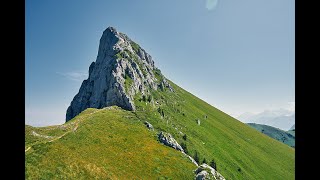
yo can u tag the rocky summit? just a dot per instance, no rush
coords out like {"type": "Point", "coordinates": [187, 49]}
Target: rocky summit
{"type": "Point", "coordinates": [122, 70]}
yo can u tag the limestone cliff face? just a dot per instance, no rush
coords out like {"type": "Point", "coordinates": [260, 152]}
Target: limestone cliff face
{"type": "Point", "coordinates": [122, 70]}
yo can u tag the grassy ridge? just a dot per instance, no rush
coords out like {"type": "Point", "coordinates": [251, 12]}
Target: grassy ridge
{"type": "Point", "coordinates": [108, 144]}
{"type": "Point", "coordinates": [115, 144]}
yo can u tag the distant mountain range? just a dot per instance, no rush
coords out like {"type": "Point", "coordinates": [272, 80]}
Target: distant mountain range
{"type": "Point", "coordinates": [293, 127]}
{"type": "Point", "coordinates": [286, 137]}
{"type": "Point", "coordinates": [282, 118]}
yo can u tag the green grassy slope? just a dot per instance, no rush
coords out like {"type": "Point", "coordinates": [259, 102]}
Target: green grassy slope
{"type": "Point", "coordinates": [102, 144]}
{"type": "Point", "coordinates": [287, 137]}
{"type": "Point", "coordinates": [240, 152]}
{"type": "Point", "coordinates": [114, 143]}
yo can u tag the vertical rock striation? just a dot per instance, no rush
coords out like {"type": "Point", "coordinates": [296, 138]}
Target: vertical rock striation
{"type": "Point", "coordinates": [122, 70]}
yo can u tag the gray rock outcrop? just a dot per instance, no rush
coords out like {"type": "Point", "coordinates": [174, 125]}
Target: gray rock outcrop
{"type": "Point", "coordinates": [149, 126]}
{"type": "Point", "coordinates": [168, 140]}
{"type": "Point", "coordinates": [204, 171]}
{"type": "Point", "coordinates": [122, 69]}
{"type": "Point", "coordinates": [203, 175]}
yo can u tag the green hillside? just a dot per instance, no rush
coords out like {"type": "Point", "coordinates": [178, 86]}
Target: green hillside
{"type": "Point", "coordinates": [113, 143]}
{"type": "Point", "coordinates": [240, 152]}
{"type": "Point", "coordinates": [102, 144]}
{"type": "Point", "coordinates": [287, 137]}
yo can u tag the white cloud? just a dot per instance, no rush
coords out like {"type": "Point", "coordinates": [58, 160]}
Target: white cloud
{"type": "Point", "coordinates": [211, 4]}
{"type": "Point", "coordinates": [74, 76]}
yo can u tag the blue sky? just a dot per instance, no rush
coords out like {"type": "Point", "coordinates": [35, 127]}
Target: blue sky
{"type": "Point", "coordinates": [238, 56]}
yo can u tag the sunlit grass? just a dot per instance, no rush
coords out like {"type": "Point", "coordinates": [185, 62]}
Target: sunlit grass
{"type": "Point", "coordinates": [113, 143]}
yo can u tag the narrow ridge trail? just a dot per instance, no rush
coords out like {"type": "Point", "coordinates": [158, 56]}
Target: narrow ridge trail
{"type": "Point", "coordinates": [76, 125]}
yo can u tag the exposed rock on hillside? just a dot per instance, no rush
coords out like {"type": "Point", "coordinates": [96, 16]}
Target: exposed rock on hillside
{"type": "Point", "coordinates": [149, 126]}
{"type": "Point", "coordinates": [122, 70]}
{"type": "Point", "coordinates": [168, 140]}
{"type": "Point", "coordinates": [205, 171]}
{"type": "Point", "coordinates": [191, 159]}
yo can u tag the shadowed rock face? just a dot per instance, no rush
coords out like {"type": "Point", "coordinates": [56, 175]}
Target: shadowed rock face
{"type": "Point", "coordinates": [122, 69]}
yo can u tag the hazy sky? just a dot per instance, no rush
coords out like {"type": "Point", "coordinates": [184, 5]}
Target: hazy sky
{"type": "Point", "coordinates": [238, 56]}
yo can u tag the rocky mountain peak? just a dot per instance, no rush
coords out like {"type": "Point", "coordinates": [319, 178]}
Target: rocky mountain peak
{"type": "Point", "coordinates": [121, 71]}
{"type": "Point", "coordinates": [111, 29]}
